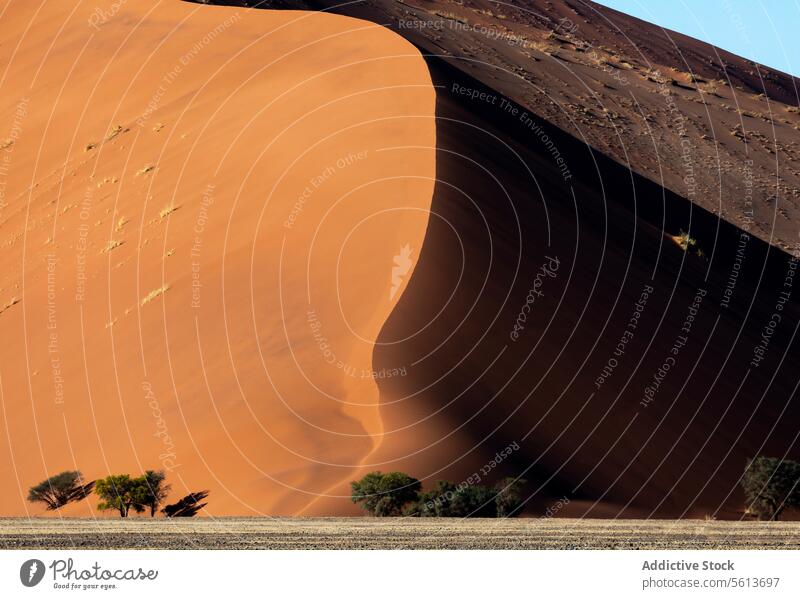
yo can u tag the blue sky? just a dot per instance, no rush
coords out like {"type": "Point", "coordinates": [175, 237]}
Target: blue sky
{"type": "Point", "coordinates": [767, 31]}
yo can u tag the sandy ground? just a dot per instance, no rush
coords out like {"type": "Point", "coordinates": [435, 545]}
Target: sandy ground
{"type": "Point", "coordinates": [359, 533]}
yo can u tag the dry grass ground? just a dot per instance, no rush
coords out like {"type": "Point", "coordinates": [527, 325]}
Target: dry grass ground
{"type": "Point", "coordinates": [366, 533]}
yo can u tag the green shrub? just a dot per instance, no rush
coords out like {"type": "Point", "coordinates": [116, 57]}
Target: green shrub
{"type": "Point", "coordinates": [508, 499]}
{"type": "Point", "coordinates": [385, 494]}
{"type": "Point", "coordinates": [771, 485]}
{"type": "Point", "coordinates": [449, 500]}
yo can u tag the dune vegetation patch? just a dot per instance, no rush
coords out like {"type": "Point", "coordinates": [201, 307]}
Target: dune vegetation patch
{"type": "Point", "coordinates": [114, 132]}
{"type": "Point", "coordinates": [154, 294]}
{"type": "Point", "coordinates": [167, 210]}
{"type": "Point", "coordinates": [111, 245]}
{"type": "Point", "coordinates": [12, 302]}
{"type": "Point", "coordinates": [684, 240]}
{"type": "Point", "coordinates": [688, 243]}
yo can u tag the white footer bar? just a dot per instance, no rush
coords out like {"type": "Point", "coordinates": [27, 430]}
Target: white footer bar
{"type": "Point", "coordinates": [400, 574]}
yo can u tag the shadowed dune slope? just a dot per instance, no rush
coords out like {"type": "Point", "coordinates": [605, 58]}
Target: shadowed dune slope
{"type": "Point", "coordinates": [552, 310]}
{"type": "Point", "coordinates": [201, 212]}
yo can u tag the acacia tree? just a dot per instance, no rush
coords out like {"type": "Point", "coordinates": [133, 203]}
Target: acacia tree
{"type": "Point", "coordinates": [120, 492]}
{"type": "Point", "coordinates": [385, 494]}
{"type": "Point", "coordinates": [152, 490]}
{"type": "Point", "coordinates": [771, 485]}
{"type": "Point", "coordinates": [60, 489]}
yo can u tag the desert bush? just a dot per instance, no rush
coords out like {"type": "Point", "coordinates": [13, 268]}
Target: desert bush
{"type": "Point", "coordinates": [508, 499]}
{"type": "Point", "coordinates": [433, 503]}
{"type": "Point", "coordinates": [396, 493]}
{"type": "Point", "coordinates": [771, 485]}
{"type": "Point", "coordinates": [684, 240]}
{"type": "Point", "coordinates": [449, 500]}
{"type": "Point", "coordinates": [61, 489]}
{"type": "Point", "coordinates": [385, 494]}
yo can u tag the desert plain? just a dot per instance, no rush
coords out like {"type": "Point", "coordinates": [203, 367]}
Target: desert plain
{"type": "Point", "coordinates": [394, 533]}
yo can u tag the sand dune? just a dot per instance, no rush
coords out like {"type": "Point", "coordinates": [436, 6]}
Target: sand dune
{"type": "Point", "coordinates": [636, 378]}
{"type": "Point", "coordinates": [238, 245]}
{"type": "Point", "coordinates": [202, 209]}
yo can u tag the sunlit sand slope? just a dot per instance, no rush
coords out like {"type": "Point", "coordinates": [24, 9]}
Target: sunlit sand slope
{"type": "Point", "coordinates": [202, 209]}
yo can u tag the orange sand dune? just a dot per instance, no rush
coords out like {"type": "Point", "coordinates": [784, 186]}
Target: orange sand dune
{"type": "Point", "coordinates": [202, 209]}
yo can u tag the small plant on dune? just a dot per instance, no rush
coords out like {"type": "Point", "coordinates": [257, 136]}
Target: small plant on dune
{"type": "Point", "coordinates": [61, 489]}
{"type": "Point", "coordinates": [112, 244]}
{"type": "Point", "coordinates": [451, 16]}
{"type": "Point", "coordinates": [154, 294]}
{"type": "Point", "coordinates": [12, 302]}
{"type": "Point", "coordinates": [167, 210]}
{"type": "Point", "coordinates": [684, 240]}
{"type": "Point", "coordinates": [385, 494]}
{"type": "Point", "coordinates": [709, 87]}
{"type": "Point", "coordinates": [114, 132]}
{"type": "Point", "coordinates": [771, 485]}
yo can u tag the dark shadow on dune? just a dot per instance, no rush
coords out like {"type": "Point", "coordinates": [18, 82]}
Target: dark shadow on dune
{"type": "Point", "coordinates": [187, 507]}
{"type": "Point", "coordinates": [503, 189]}
{"type": "Point", "coordinates": [81, 492]}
